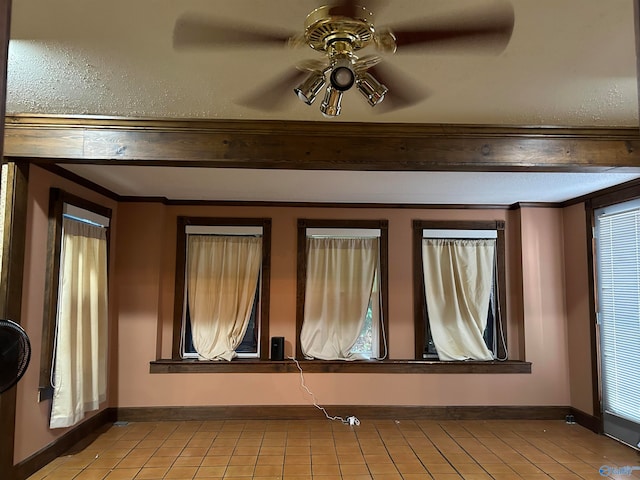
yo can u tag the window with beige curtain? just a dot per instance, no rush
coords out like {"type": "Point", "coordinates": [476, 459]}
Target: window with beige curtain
{"type": "Point", "coordinates": [341, 291]}
{"type": "Point", "coordinates": [458, 283]}
{"type": "Point", "coordinates": [245, 288]}
{"type": "Point", "coordinates": [222, 278]}
{"type": "Point", "coordinates": [433, 278]}
{"type": "Point", "coordinates": [80, 352]}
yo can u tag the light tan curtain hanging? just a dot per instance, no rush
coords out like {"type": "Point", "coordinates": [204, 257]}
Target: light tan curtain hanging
{"type": "Point", "coordinates": [458, 277]}
{"type": "Point", "coordinates": [222, 277]}
{"type": "Point", "coordinates": [80, 362]}
{"type": "Point", "coordinates": [340, 274]}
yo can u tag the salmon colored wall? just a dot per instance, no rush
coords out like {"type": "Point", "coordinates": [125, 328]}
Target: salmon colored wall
{"type": "Point", "coordinates": [579, 324]}
{"type": "Point", "coordinates": [32, 417]}
{"type": "Point", "coordinates": [545, 328]}
{"type": "Point", "coordinates": [144, 276]}
{"type": "Point", "coordinates": [515, 315]}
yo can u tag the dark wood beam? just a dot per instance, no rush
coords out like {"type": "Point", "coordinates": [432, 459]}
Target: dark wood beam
{"type": "Point", "coordinates": [320, 145]}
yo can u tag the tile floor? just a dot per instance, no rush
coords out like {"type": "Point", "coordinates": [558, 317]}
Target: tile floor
{"type": "Point", "coordinates": [326, 450]}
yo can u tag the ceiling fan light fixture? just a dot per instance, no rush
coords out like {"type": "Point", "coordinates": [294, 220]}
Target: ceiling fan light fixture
{"type": "Point", "coordinates": [372, 89]}
{"type": "Point", "coordinates": [331, 104]}
{"type": "Point", "coordinates": [309, 89]}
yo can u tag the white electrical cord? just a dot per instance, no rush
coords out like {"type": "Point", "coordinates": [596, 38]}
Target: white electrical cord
{"type": "Point", "coordinates": [384, 340]}
{"type": "Point", "coordinates": [351, 420]}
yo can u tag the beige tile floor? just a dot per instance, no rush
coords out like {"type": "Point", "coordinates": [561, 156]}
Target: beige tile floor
{"type": "Point", "coordinates": [326, 450]}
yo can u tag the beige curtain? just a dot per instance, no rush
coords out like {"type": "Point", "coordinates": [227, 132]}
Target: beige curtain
{"type": "Point", "coordinates": [458, 275]}
{"type": "Point", "coordinates": [80, 363]}
{"type": "Point", "coordinates": [222, 277]}
{"type": "Point", "coordinates": [340, 274]}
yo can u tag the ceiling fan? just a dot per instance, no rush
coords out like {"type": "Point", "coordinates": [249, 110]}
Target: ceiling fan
{"type": "Point", "coordinates": [339, 32]}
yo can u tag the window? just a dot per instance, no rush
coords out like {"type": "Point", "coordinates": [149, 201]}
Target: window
{"type": "Point", "coordinates": [222, 288]}
{"type": "Point", "coordinates": [75, 330]}
{"type": "Point", "coordinates": [617, 236]}
{"type": "Point", "coordinates": [342, 289]}
{"type": "Point", "coordinates": [459, 273]}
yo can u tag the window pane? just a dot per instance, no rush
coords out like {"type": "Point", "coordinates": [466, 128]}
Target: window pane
{"type": "Point", "coordinates": [341, 312]}
{"type": "Point", "coordinates": [223, 260]}
{"type": "Point", "coordinates": [188, 339]}
{"type": "Point", "coordinates": [220, 267]}
{"type": "Point", "coordinates": [81, 323]}
{"type": "Point", "coordinates": [452, 305]}
{"type": "Point", "coordinates": [489, 332]}
{"type": "Point", "coordinates": [338, 261]}
{"type": "Point", "coordinates": [368, 342]}
{"type": "Point", "coordinates": [249, 343]}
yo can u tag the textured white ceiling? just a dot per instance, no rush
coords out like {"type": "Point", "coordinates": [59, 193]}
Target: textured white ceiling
{"type": "Point", "coordinates": [569, 62]}
{"type": "Point", "coordinates": [491, 188]}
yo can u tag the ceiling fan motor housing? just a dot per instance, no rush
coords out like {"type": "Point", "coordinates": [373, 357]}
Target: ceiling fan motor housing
{"type": "Point", "coordinates": [322, 28]}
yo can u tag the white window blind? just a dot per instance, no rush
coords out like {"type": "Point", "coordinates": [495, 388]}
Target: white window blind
{"type": "Point", "coordinates": [618, 261]}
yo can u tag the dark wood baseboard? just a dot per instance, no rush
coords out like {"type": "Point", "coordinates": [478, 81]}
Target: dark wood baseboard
{"type": "Point", "coordinates": [309, 412]}
{"type": "Point", "coordinates": [587, 421]}
{"type": "Point", "coordinates": [75, 439]}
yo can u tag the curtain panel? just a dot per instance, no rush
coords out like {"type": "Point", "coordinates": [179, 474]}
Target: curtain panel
{"type": "Point", "coordinates": [222, 278]}
{"type": "Point", "coordinates": [339, 284]}
{"type": "Point", "coordinates": [458, 278]}
{"type": "Point", "coordinates": [80, 362]}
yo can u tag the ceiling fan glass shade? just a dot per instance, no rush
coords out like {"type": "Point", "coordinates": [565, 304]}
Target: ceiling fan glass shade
{"type": "Point", "coordinates": [372, 89]}
{"type": "Point", "coordinates": [309, 89]}
{"type": "Point", "coordinates": [331, 104]}
{"type": "Point", "coordinates": [342, 77]}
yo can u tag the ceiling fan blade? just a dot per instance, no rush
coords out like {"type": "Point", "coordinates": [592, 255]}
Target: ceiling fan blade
{"type": "Point", "coordinates": [194, 31]}
{"type": "Point", "coordinates": [487, 28]}
{"type": "Point", "coordinates": [402, 92]}
{"type": "Point", "coordinates": [351, 8]}
{"type": "Point", "coordinates": [274, 94]}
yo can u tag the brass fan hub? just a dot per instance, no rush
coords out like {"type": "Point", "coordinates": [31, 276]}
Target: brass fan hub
{"type": "Point", "coordinates": [322, 29]}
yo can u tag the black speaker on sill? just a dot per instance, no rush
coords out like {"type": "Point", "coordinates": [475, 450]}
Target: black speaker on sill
{"type": "Point", "coordinates": [277, 348]}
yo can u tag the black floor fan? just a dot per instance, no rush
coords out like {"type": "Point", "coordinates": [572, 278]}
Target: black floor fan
{"type": "Point", "coordinates": [15, 353]}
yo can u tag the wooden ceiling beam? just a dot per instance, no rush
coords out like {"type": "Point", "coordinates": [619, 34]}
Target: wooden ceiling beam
{"type": "Point", "coordinates": [320, 145]}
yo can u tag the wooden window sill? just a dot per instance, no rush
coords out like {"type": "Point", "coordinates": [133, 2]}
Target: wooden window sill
{"type": "Point", "coordinates": [327, 366]}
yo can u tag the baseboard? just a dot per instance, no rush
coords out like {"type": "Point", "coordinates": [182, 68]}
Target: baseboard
{"type": "Point", "coordinates": [308, 412]}
{"type": "Point", "coordinates": [76, 438]}
{"type": "Point", "coordinates": [587, 421]}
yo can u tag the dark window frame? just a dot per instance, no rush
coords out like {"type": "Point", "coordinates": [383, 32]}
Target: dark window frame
{"type": "Point", "coordinates": [605, 199]}
{"type": "Point", "coordinates": [180, 272]}
{"type": "Point", "coordinates": [419, 306]}
{"type": "Point", "coordinates": [301, 268]}
{"type": "Point", "coordinates": [57, 199]}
